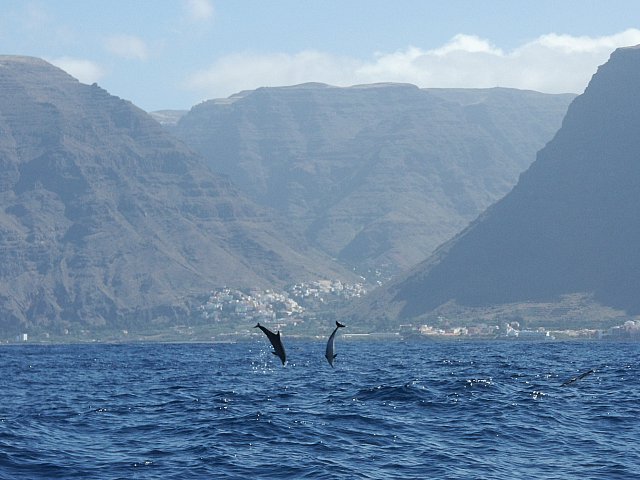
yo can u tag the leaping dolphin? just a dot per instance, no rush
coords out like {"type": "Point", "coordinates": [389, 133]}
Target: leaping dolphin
{"type": "Point", "coordinates": [275, 340]}
{"type": "Point", "coordinates": [330, 356]}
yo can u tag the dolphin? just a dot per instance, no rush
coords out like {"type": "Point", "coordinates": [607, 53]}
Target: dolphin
{"type": "Point", "coordinates": [275, 340]}
{"type": "Point", "coordinates": [330, 356]}
{"type": "Point", "coordinates": [579, 377]}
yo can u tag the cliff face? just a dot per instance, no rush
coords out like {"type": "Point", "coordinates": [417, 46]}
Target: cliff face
{"type": "Point", "coordinates": [107, 220]}
{"type": "Point", "coordinates": [375, 175]}
{"type": "Point", "coordinates": [571, 224]}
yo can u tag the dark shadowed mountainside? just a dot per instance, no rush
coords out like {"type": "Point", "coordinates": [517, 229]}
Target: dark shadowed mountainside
{"type": "Point", "coordinates": [569, 229]}
{"type": "Point", "coordinates": [107, 220]}
{"type": "Point", "coordinates": [376, 176]}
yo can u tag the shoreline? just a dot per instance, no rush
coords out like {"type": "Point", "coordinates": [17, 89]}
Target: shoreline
{"type": "Point", "coordinates": [376, 338]}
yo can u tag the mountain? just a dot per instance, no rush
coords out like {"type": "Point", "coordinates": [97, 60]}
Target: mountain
{"type": "Point", "coordinates": [566, 237]}
{"type": "Point", "coordinates": [107, 221]}
{"type": "Point", "coordinates": [376, 176]}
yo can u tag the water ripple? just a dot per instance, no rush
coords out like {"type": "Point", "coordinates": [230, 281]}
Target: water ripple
{"type": "Point", "coordinates": [414, 411]}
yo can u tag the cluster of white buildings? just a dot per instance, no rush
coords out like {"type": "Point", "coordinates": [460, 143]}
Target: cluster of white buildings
{"type": "Point", "coordinates": [508, 330]}
{"type": "Point", "coordinates": [256, 305]}
{"type": "Point", "coordinates": [293, 305]}
{"type": "Point", "coordinates": [629, 330]}
{"type": "Point", "coordinates": [481, 330]}
{"type": "Point", "coordinates": [323, 291]}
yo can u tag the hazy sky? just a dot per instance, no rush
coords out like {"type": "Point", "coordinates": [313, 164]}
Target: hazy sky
{"type": "Point", "coordinates": [175, 53]}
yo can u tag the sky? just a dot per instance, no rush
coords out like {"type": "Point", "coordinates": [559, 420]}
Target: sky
{"type": "Point", "coordinates": [174, 54]}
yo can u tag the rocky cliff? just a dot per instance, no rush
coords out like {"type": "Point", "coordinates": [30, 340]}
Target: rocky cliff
{"type": "Point", "coordinates": [570, 226]}
{"type": "Point", "coordinates": [375, 175]}
{"type": "Point", "coordinates": [107, 220]}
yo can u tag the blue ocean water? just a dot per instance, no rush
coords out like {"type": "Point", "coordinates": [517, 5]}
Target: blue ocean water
{"type": "Point", "coordinates": [450, 410]}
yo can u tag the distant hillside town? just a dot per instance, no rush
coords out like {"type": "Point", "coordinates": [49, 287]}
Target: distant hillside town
{"type": "Point", "coordinates": [291, 306]}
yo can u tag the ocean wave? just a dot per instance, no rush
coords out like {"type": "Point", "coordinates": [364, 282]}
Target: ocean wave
{"type": "Point", "coordinates": [450, 410]}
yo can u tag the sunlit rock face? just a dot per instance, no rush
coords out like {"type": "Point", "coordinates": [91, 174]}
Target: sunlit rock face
{"type": "Point", "coordinates": [106, 219]}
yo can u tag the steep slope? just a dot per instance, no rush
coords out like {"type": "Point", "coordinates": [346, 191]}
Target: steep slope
{"type": "Point", "coordinates": [107, 220]}
{"type": "Point", "coordinates": [570, 226]}
{"type": "Point", "coordinates": [375, 175]}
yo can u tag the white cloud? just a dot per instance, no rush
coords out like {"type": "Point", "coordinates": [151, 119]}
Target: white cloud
{"type": "Point", "coordinates": [551, 63]}
{"type": "Point", "coordinates": [466, 43]}
{"type": "Point", "coordinates": [129, 47]}
{"type": "Point", "coordinates": [84, 70]}
{"type": "Point", "coordinates": [583, 44]}
{"type": "Point", "coordinates": [199, 10]}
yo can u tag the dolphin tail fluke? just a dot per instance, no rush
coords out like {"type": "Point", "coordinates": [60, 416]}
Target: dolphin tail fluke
{"type": "Point", "coordinates": [257, 326]}
{"type": "Point", "coordinates": [339, 325]}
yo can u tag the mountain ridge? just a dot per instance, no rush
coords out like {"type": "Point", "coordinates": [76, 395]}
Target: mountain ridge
{"type": "Point", "coordinates": [567, 228]}
{"type": "Point", "coordinates": [108, 221]}
{"type": "Point", "coordinates": [374, 175]}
